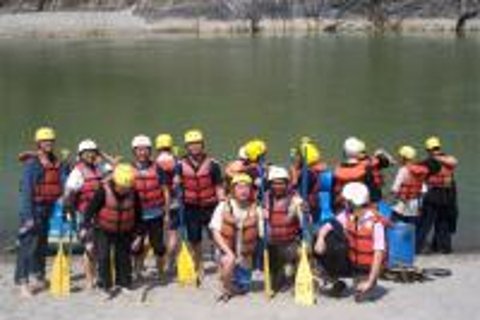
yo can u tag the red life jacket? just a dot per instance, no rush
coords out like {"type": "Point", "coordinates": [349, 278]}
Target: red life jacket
{"type": "Point", "coordinates": [442, 179]}
{"type": "Point", "coordinates": [412, 187]}
{"type": "Point", "coordinates": [249, 232]}
{"type": "Point", "coordinates": [344, 174]}
{"type": "Point", "coordinates": [49, 189]}
{"type": "Point", "coordinates": [92, 179]}
{"type": "Point", "coordinates": [199, 187]}
{"type": "Point", "coordinates": [283, 229]}
{"type": "Point", "coordinates": [148, 187]}
{"type": "Point", "coordinates": [117, 215]}
{"type": "Point", "coordinates": [360, 239]}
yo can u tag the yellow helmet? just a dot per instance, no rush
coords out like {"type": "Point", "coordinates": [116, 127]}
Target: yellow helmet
{"type": "Point", "coordinates": [432, 143]}
{"type": "Point", "coordinates": [241, 178]}
{"type": "Point", "coordinates": [192, 136]}
{"type": "Point", "coordinates": [44, 133]}
{"type": "Point", "coordinates": [407, 152]}
{"type": "Point", "coordinates": [254, 149]}
{"type": "Point", "coordinates": [163, 141]}
{"type": "Point", "coordinates": [310, 153]}
{"type": "Point", "coordinates": [123, 175]}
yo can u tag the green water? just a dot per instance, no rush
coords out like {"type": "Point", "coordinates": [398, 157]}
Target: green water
{"type": "Point", "coordinates": [389, 91]}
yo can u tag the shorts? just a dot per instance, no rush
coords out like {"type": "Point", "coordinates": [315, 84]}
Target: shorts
{"type": "Point", "coordinates": [153, 229]}
{"type": "Point", "coordinates": [196, 219]}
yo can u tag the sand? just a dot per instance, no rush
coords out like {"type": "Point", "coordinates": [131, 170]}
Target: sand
{"type": "Point", "coordinates": [454, 297]}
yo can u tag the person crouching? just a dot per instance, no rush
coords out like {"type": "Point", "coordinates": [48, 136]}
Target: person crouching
{"type": "Point", "coordinates": [360, 231]}
{"type": "Point", "coordinates": [236, 224]}
{"type": "Point", "coordinates": [284, 209]}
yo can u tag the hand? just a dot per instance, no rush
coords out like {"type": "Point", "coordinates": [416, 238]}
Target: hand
{"type": "Point", "coordinates": [26, 226]}
{"type": "Point", "coordinates": [136, 244]}
{"type": "Point", "coordinates": [82, 234]}
{"type": "Point", "coordinates": [320, 246]}
{"type": "Point", "coordinates": [89, 247]}
{"type": "Point", "coordinates": [364, 286]}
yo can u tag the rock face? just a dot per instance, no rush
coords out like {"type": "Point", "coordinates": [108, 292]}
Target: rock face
{"type": "Point", "coordinates": [380, 13]}
{"type": "Point", "coordinates": [234, 9]}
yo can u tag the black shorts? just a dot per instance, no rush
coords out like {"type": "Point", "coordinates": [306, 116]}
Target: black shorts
{"type": "Point", "coordinates": [196, 219]}
{"type": "Point", "coordinates": [153, 229]}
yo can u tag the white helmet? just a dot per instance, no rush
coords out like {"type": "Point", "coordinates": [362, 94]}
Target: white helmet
{"type": "Point", "coordinates": [242, 154]}
{"type": "Point", "coordinates": [87, 144]}
{"type": "Point", "coordinates": [278, 173]}
{"type": "Point", "coordinates": [357, 193]}
{"type": "Point", "coordinates": [141, 141]}
{"type": "Point", "coordinates": [353, 146]}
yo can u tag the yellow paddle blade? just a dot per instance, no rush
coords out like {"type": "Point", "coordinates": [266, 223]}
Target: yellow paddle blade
{"type": "Point", "coordinates": [266, 274]}
{"type": "Point", "coordinates": [60, 277]}
{"type": "Point", "coordinates": [150, 253]}
{"type": "Point", "coordinates": [304, 288]}
{"type": "Point", "coordinates": [186, 273]}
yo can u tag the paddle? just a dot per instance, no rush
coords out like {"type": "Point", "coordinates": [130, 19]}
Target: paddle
{"type": "Point", "coordinates": [60, 276]}
{"type": "Point", "coordinates": [304, 288]}
{"type": "Point", "coordinates": [266, 256]}
{"type": "Point", "coordinates": [186, 272]}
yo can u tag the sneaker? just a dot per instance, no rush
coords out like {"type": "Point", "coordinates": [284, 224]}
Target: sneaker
{"type": "Point", "coordinates": [40, 285]}
{"type": "Point", "coordinates": [125, 291]}
{"type": "Point", "coordinates": [25, 291]}
{"type": "Point", "coordinates": [338, 289]}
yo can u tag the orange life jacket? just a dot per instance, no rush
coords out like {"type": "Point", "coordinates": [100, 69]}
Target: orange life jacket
{"type": "Point", "coordinates": [199, 187]}
{"type": "Point", "coordinates": [344, 174]}
{"type": "Point", "coordinates": [249, 232]}
{"type": "Point", "coordinates": [360, 239]}
{"type": "Point", "coordinates": [412, 187]}
{"type": "Point", "coordinates": [283, 229]}
{"type": "Point", "coordinates": [148, 187]}
{"type": "Point", "coordinates": [49, 189]}
{"type": "Point", "coordinates": [442, 179]}
{"type": "Point", "coordinates": [92, 178]}
{"type": "Point", "coordinates": [117, 215]}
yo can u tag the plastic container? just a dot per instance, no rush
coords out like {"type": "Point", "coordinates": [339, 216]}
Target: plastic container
{"type": "Point", "coordinates": [401, 245]}
{"type": "Point", "coordinates": [242, 278]}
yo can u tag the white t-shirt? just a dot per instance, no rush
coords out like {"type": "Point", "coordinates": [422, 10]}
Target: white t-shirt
{"type": "Point", "coordinates": [238, 212]}
{"type": "Point", "coordinates": [75, 179]}
{"type": "Point", "coordinates": [378, 228]}
{"type": "Point", "coordinates": [409, 208]}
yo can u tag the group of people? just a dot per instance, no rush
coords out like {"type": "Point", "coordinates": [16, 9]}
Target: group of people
{"type": "Point", "coordinates": [125, 209]}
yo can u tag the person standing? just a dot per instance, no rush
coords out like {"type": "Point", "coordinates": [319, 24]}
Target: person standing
{"type": "Point", "coordinates": [41, 186]}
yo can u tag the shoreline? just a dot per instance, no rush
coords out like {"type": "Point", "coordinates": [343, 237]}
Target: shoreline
{"type": "Point", "coordinates": [451, 297]}
{"type": "Point", "coordinates": [126, 24]}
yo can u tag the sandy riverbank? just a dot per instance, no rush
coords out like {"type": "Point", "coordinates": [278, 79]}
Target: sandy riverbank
{"type": "Point", "coordinates": [127, 24]}
{"type": "Point", "coordinates": [454, 297]}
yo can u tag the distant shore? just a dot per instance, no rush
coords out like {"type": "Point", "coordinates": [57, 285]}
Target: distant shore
{"type": "Point", "coordinates": [124, 23]}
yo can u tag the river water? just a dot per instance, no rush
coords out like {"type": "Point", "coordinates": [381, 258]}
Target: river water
{"type": "Point", "coordinates": [387, 90]}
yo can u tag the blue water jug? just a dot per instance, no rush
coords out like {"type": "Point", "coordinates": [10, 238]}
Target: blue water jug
{"type": "Point", "coordinates": [385, 209]}
{"type": "Point", "coordinates": [242, 278]}
{"type": "Point", "coordinates": [325, 196]}
{"type": "Point", "coordinates": [401, 245]}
